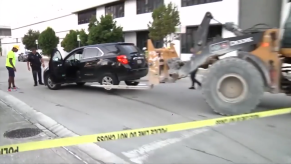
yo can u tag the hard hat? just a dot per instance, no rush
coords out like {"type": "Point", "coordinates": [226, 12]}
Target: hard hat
{"type": "Point", "coordinates": [16, 46]}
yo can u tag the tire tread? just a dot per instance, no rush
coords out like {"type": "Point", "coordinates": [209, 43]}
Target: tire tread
{"type": "Point", "coordinates": [224, 63]}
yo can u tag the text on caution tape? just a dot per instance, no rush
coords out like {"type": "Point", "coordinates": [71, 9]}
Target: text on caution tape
{"type": "Point", "coordinates": [125, 135]}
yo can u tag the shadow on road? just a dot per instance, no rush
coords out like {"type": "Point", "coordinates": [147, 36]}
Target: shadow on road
{"type": "Point", "coordinates": [268, 102]}
{"type": "Point", "coordinates": [275, 101]}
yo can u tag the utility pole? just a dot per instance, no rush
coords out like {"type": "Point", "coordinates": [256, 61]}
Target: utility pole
{"type": "Point", "coordinates": [0, 48]}
{"type": "Point", "coordinates": [78, 39]}
{"type": "Point", "coordinates": [36, 42]}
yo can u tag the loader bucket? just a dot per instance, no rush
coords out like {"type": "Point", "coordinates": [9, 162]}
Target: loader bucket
{"type": "Point", "coordinates": [154, 62]}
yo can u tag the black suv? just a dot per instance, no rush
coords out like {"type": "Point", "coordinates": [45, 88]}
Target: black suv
{"type": "Point", "coordinates": [107, 64]}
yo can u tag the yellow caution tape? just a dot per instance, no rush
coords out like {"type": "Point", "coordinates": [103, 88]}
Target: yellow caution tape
{"type": "Point", "coordinates": [37, 145]}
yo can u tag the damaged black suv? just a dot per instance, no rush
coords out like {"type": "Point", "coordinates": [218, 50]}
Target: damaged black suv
{"type": "Point", "coordinates": [107, 64]}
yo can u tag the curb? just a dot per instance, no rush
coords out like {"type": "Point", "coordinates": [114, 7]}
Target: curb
{"type": "Point", "coordinates": [38, 118]}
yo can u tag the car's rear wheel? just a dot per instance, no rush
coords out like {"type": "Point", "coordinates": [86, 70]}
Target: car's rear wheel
{"type": "Point", "coordinates": [81, 84]}
{"type": "Point", "coordinates": [131, 83]}
{"type": "Point", "coordinates": [50, 84]}
{"type": "Point", "coordinates": [109, 79]}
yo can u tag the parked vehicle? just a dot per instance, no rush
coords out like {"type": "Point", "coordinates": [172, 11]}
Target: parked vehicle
{"type": "Point", "coordinates": [22, 57]}
{"type": "Point", "coordinates": [107, 64]}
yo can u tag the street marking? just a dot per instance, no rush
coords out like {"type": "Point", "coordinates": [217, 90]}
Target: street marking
{"type": "Point", "coordinates": [141, 154]}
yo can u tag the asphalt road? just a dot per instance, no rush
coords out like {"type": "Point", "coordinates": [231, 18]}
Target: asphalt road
{"type": "Point", "coordinates": [90, 110]}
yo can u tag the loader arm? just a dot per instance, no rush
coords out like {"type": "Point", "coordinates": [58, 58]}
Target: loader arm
{"type": "Point", "coordinates": [200, 37]}
{"type": "Point", "coordinates": [204, 50]}
{"type": "Point", "coordinates": [179, 69]}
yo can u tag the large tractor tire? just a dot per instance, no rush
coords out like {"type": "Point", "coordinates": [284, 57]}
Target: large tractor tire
{"type": "Point", "coordinates": [233, 86]}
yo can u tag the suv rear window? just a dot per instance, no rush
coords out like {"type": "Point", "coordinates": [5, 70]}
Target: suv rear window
{"type": "Point", "coordinates": [111, 48]}
{"type": "Point", "coordinates": [129, 49]}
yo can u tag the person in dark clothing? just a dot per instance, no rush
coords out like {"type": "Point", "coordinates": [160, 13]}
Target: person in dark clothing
{"type": "Point", "coordinates": [193, 74]}
{"type": "Point", "coordinates": [193, 80]}
{"type": "Point", "coordinates": [35, 61]}
{"type": "Point", "coordinates": [161, 67]}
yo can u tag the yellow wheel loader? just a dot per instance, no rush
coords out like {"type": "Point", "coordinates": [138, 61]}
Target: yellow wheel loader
{"type": "Point", "coordinates": [235, 85]}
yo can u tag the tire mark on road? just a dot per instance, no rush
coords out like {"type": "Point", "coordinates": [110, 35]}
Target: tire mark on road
{"type": "Point", "coordinates": [204, 152]}
{"type": "Point", "coordinates": [63, 106]}
{"type": "Point", "coordinates": [149, 104]}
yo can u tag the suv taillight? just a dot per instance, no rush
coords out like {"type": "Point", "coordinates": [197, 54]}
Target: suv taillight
{"type": "Point", "coordinates": [122, 59]}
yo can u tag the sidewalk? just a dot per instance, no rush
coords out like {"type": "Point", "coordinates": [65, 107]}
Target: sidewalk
{"type": "Point", "coordinates": [10, 120]}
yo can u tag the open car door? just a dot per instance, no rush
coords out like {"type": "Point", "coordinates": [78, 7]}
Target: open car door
{"type": "Point", "coordinates": [286, 37]}
{"type": "Point", "coordinates": [56, 67]}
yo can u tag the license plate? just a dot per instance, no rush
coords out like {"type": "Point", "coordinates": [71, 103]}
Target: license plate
{"type": "Point", "coordinates": [139, 61]}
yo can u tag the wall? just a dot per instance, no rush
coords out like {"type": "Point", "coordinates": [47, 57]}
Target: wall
{"type": "Point", "coordinates": [48, 9]}
{"type": "Point", "coordinates": [7, 44]}
{"type": "Point", "coordinates": [190, 16]}
{"type": "Point", "coordinates": [132, 21]}
{"type": "Point", "coordinates": [193, 15]}
{"type": "Point", "coordinates": [253, 12]}
{"type": "Point", "coordinates": [130, 37]}
{"type": "Point", "coordinates": [60, 24]}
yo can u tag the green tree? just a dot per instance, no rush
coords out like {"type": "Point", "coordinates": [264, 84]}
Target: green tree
{"type": "Point", "coordinates": [48, 41]}
{"type": "Point", "coordinates": [83, 37]}
{"type": "Point", "coordinates": [105, 31]}
{"type": "Point", "coordinates": [92, 22]}
{"type": "Point", "coordinates": [70, 42]}
{"type": "Point", "coordinates": [29, 39]}
{"type": "Point", "coordinates": [165, 19]}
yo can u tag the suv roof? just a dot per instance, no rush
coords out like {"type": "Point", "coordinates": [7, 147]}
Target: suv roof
{"type": "Point", "coordinates": [103, 44]}
{"type": "Point", "coordinates": [107, 44]}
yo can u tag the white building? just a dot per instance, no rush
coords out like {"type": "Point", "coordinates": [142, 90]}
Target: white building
{"type": "Point", "coordinates": [134, 15]}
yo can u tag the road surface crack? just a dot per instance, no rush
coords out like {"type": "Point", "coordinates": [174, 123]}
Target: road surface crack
{"type": "Point", "coordinates": [242, 145]}
{"type": "Point", "coordinates": [204, 152]}
{"type": "Point", "coordinates": [63, 106]}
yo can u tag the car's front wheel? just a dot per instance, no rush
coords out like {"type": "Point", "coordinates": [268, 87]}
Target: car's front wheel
{"type": "Point", "coordinates": [131, 83]}
{"type": "Point", "coordinates": [50, 84]}
{"type": "Point", "coordinates": [109, 79]}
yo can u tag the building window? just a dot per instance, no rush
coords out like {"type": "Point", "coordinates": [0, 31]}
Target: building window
{"type": "Point", "coordinates": [85, 16]}
{"type": "Point", "coordinates": [142, 38]}
{"type": "Point", "coordinates": [116, 10]}
{"type": "Point", "coordinates": [186, 3]}
{"type": "Point", "coordinates": [5, 32]}
{"type": "Point", "coordinates": [187, 39]}
{"type": "Point", "coordinates": [147, 6]}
